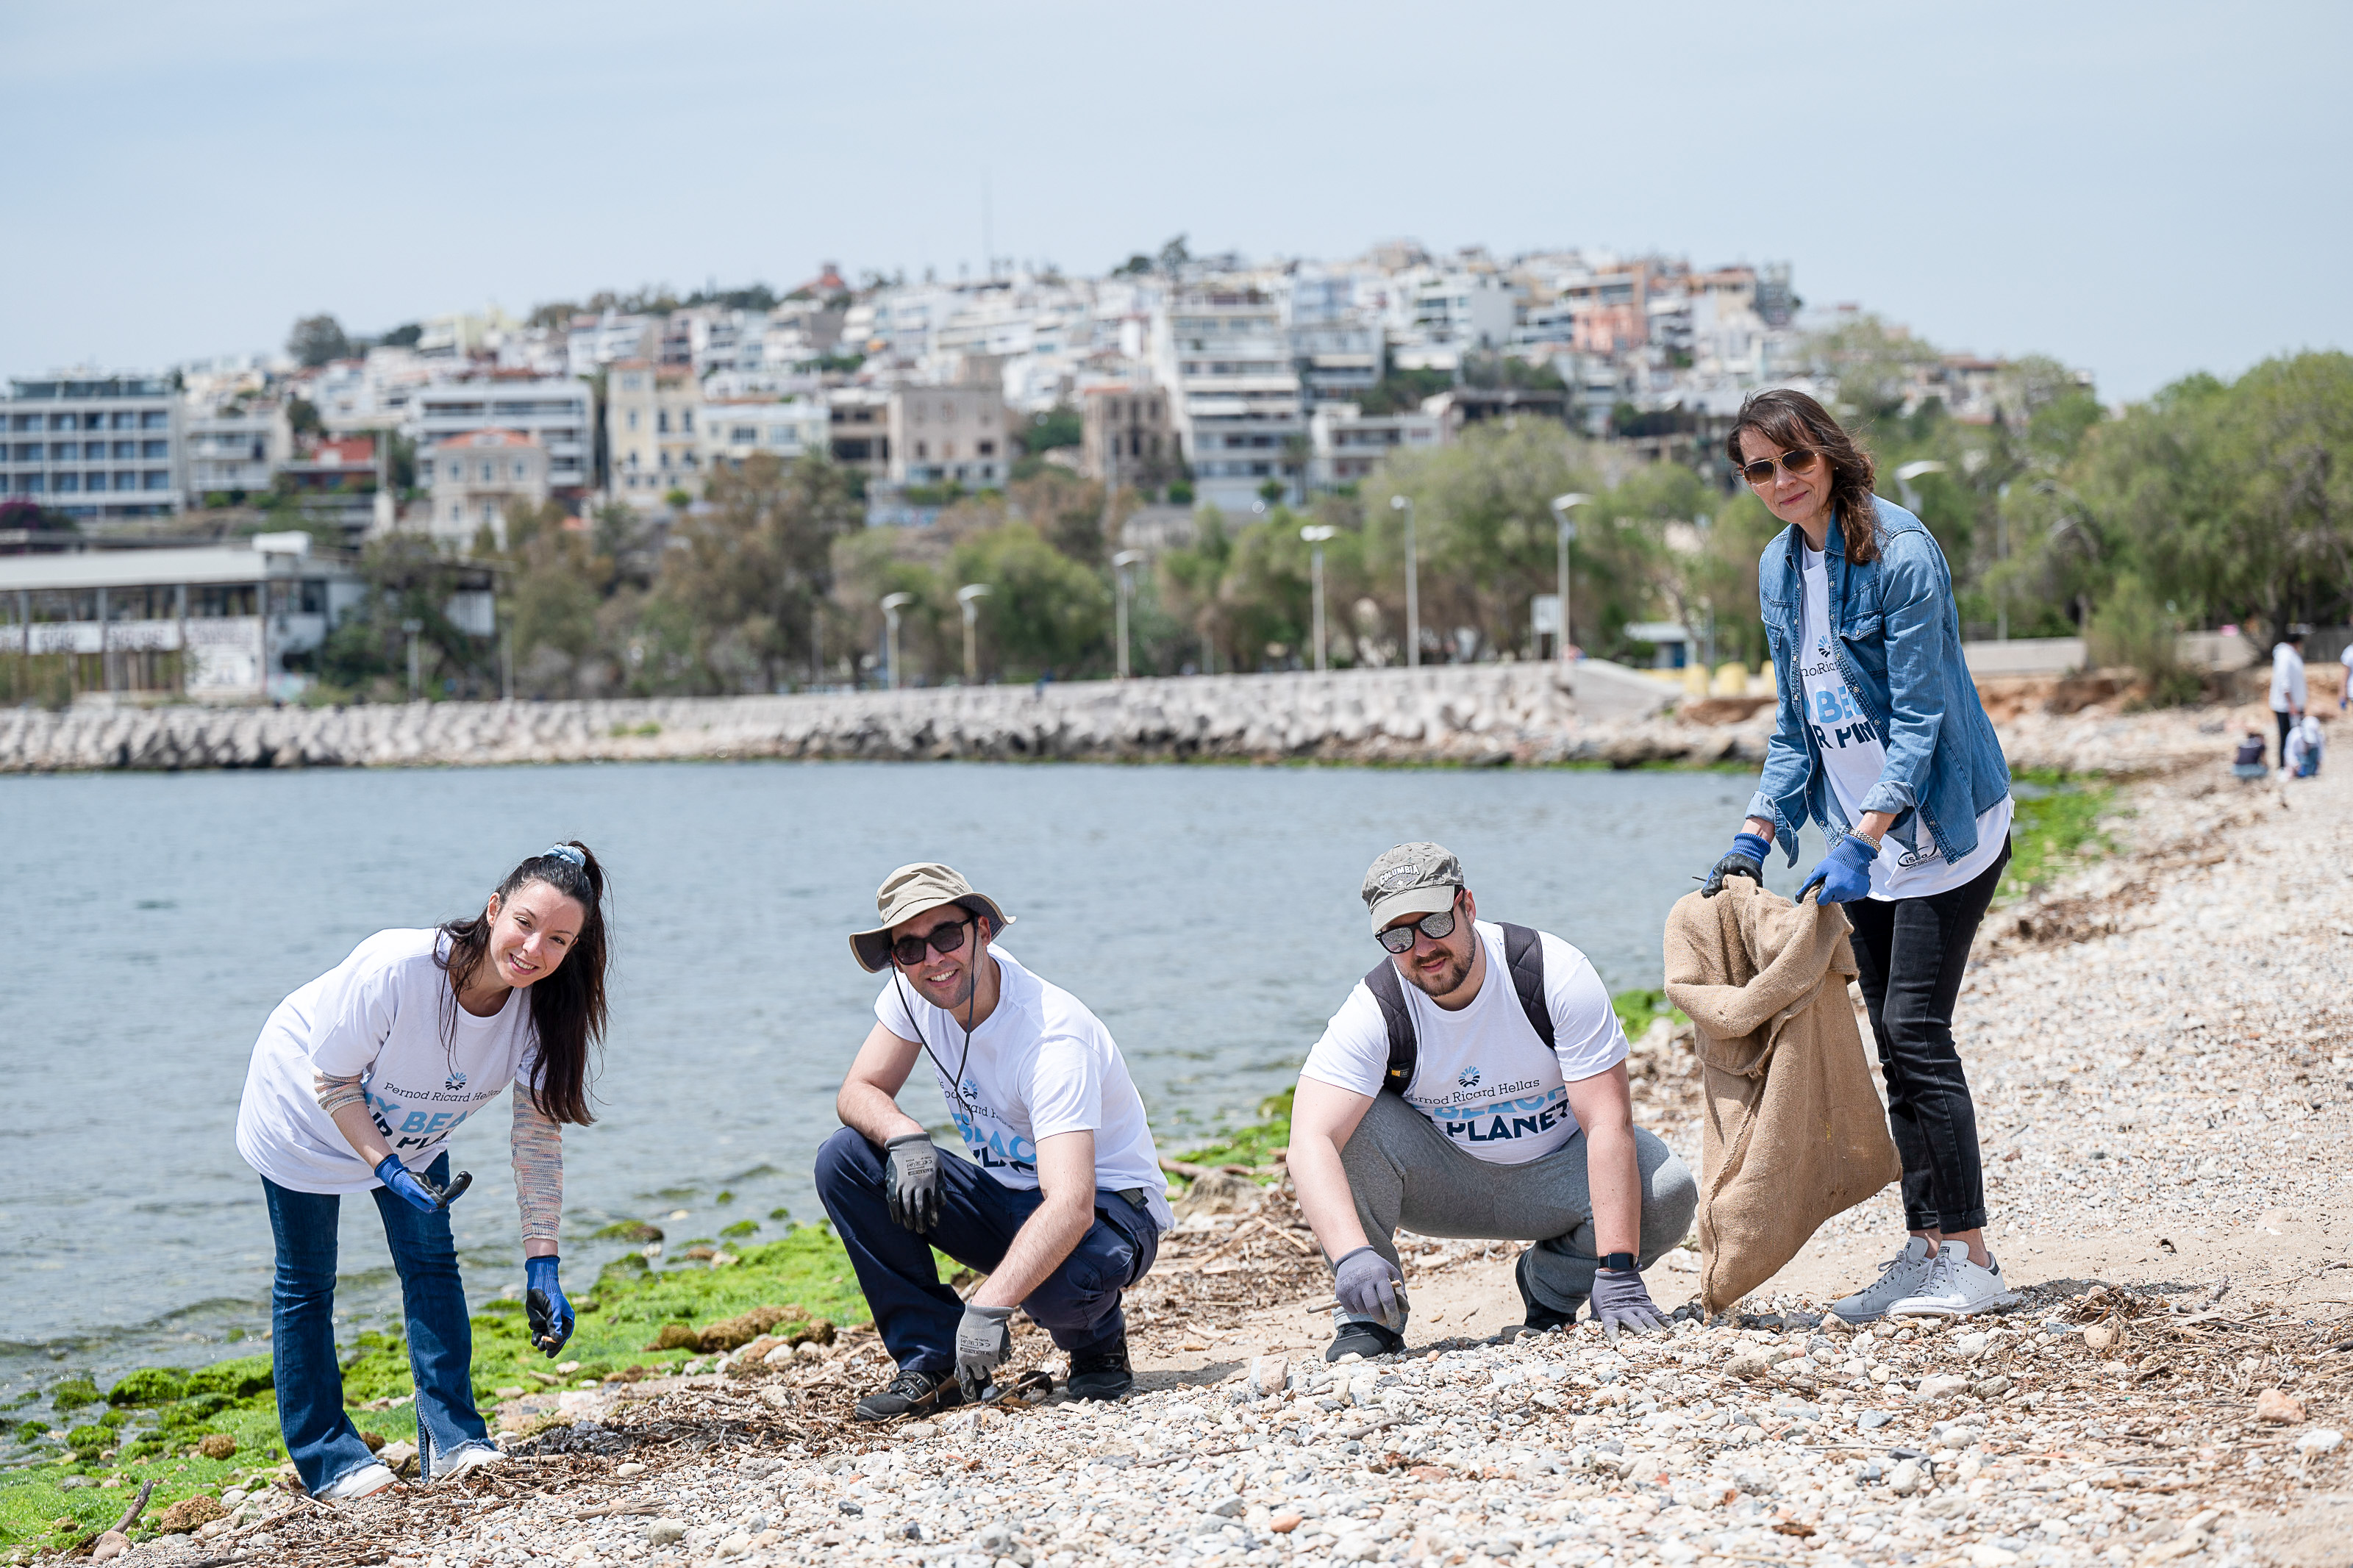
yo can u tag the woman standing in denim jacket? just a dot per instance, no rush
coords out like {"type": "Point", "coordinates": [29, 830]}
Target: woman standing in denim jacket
{"type": "Point", "coordinates": [1881, 741]}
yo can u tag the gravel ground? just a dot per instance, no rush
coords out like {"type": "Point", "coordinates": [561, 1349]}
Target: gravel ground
{"type": "Point", "coordinates": [2159, 1049]}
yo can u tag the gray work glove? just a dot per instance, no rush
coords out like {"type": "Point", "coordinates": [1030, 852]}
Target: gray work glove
{"type": "Point", "coordinates": [983, 1343]}
{"type": "Point", "coordinates": [1367, 1284]}
{"type": "Point", "coordinates": [1621, 1301]}
{"type": "Point", "coordinates": [911, 1180]}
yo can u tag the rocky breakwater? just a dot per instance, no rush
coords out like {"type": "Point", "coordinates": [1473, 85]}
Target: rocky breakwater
{"type": "Point", "coordinates": [1474, 713]}
{"type": "Point", "coordinates": [1488, 714]}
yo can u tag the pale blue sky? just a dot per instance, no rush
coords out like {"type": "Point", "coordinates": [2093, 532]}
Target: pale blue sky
{"type": "Point", "coordinates": [2144, 189]}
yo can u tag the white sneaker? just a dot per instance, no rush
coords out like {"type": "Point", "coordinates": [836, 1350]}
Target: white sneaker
{"type": "Point", "coordinates": [467, 1457]}
{"type": "Point", "coordinates": [366, 1481]}
{"type": "Point", "coordinates": [1904, 1275]}
{"type": "Point", "coordinates": [1956, 1288]}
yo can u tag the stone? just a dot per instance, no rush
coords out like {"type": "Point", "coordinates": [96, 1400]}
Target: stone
{"type": "Point", "coordinates": [1986, 1554]}
{"type": "Point", "coordinates": [629, 1468]}
{"type": "Point", "coordinates": [665, 1531]}
{"type": "Point", "coordinates": [400, 1459]}
{"type": "Point", "coordinates": [1940, 1386]}
{"type": "Point", "coordinates": [779, 1398]}
{"type": "Point", "coordinates": [183, 1516]}
{"type": "Point", "coordinates": [1905, 1478]}
{"type": "Point", "coordinates": [1269, 1375]}
{"type": "Point", "coordinates": [917, 1429]}
{"type": "Point", "coordinates": [216, 1446]}
{"type": "Point", "coordinates": [736, 1544]}
{"type": "Point", "coordinates": [1872, 1420]}
{"type": "Point", "coordinates": [1230, 1508]}
{"type": "Point", "coordinates": [1355, 1549]}
{"type": "Point", "coordinates": [109, 1546]}
{"type": "Point", "coordinates": [2277, 1408]}
{"type": "Point", "coordinates": [1286, 1521]}
{"type": "Point", "coordinates": [2100, 1338]}
{"type": "Point", "coordinates": [2320, 1440]}
{"type": "Point", "coordinates": [1993, 1388]}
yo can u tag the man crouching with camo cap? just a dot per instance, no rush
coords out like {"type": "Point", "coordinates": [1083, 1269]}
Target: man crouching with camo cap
{"type": "Point", "coordinates": [1484, 1097]}
{"type": "Point", "coordinates": [1062, 1202]}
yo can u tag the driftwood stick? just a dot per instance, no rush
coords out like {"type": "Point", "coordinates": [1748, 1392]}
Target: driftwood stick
{"type": "Point", "coordinates": [138, 1505]}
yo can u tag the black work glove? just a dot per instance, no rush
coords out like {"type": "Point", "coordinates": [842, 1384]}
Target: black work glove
{"type": "Point", "coordinates": [911, 1180]}
{"type": "Point", "coordinates": [1746, 859]}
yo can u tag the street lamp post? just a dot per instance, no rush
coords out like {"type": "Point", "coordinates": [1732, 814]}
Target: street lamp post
{"type": "Point", "coordinates": [891, 604]}
{"type": "Point", "coordinates": [1561, 507]}
{"type": "Point", "coordinates": [1315, 534]}
{"type": "Point", "coordinates": [1910, 471]}
{"type": "Point", "coordinates": [1119, 566]}
{"type": "Point", "coordinates": [416, 669]}
{"type": "Point", "coordinates": [968, 599]}
{"type": "Point", "coordinates": [1412, 585]}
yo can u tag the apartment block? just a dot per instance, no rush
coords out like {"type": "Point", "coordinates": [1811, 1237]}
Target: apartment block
{"type": "Point", "coordinates": [944, 434]}
{"type": "Point", "coordinates": [236, 451]}
{"type": "Point", "coordinates": [1347, 444]}
{"type": "Point", "coordinates": [477, 478]}
{"type": "Point", "coordinates": [1128, 436]}
{"type": "Point", "coordinates": [649, 431]}
{"type": "Point", "coordinates": [1237, 395]}
{"type": "Point", "coordinates": [556, 412]}
{"type": "Point", "coordinates": [99, 447]}
{"type": "Point", "coordinates": [788, 430]}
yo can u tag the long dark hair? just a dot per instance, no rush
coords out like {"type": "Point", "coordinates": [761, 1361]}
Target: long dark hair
{"type": "Point", "coordinates": [1789, 418]}
{"type": "Point", "coordinates": [568, 1007]}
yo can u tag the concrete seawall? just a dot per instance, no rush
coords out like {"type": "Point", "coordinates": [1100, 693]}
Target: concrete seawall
{"type": "Point", "coordinates": [1474, 714]}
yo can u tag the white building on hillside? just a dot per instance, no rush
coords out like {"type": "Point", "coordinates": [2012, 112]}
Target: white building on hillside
{"type": "Point", "coordinates": [1349, 445]}
{"type": "Point", "coordinates": [557, 413]}
{"type": "Point", "coordinates": [651, 440]}
{"type": "Point", "coordinates": [237, 450]}
{"type": "Point", "coordinates": [1227, 356]}
{"type": "Point", "coordinates": [732, 430]}
{"type": "Point", "coordinates": [104, 447]}
{"type": "Point", "coordinates": [476, 479]}
{"type": "Point", "coordinates": [944, 434]}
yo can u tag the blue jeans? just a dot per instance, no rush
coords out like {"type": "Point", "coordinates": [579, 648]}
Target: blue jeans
{"type": "Point", "coordinates": [320, 1438]}
{"type": "Point", "coordinates": [916, 1315]}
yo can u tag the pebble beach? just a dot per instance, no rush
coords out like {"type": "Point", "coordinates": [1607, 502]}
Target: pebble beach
{"type": "Point", "coordinates": [2158, 1043]}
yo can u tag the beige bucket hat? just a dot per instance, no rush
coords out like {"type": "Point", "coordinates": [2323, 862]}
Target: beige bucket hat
{"type": "Point", "coordinates": [911, 891]}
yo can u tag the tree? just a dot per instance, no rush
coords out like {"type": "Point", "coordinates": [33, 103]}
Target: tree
{"type": "Point", "coordinates": [1066, 511]}
{"type": "Point", "coordinates": [1174, 256]}
{"type": "Point", "coordinates": [745, 577]}
{"type": "Point", "coordinates": [1060, 426]}
{"type": "Point", "coordinates": [1044, 611]}
{"type": "Point", "coordinates": [317, 340]}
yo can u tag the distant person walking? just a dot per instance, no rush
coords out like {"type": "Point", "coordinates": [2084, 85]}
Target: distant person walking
{"type": "Point", "coordinates": [2287, 685]}
{"type": "Point", "coordinates": [1882, 743]}
{"type": "Point", "coordinates": [358, 1079]}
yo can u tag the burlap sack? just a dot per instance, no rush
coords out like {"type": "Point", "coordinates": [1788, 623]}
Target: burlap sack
{"type": "Point", "coordinates": [1795, 1129]}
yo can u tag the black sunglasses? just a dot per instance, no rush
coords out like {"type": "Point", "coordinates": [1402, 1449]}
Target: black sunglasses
{"type": "Point", "coordinates": [946, 937]}
{"type": "Point", "coordinates": [1436, 928]}
{"type": "Point", "coordinates": [1795, 460]}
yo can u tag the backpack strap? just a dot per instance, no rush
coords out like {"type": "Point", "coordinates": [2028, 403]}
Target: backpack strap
{"type": "Point", "coordinates": [1405, 1050]}
{"type": "Point", "coordinates": [1523, 956]}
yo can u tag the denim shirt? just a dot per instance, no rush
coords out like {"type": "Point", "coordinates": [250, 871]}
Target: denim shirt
{"type": "Point", "coordinates": [1899, 646]}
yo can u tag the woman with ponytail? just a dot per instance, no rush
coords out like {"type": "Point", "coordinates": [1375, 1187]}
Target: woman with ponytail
{"type": "Point", "coordinates": [356, 1083]}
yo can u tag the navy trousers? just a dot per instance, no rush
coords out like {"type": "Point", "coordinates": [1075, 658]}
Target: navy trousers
{"type": "Point", "coordinates": [917, 1315]}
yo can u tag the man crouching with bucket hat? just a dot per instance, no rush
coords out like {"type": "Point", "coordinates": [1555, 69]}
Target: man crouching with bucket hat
{"type": "Point", "coordinates": [1485, 1096]}
{"type": "Point", "coordinates": [1061, 1203]}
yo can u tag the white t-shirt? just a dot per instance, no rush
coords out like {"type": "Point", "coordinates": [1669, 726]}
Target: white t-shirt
{"type": "Point", "coordinates": [1482, 1075]}
{"type": "Point", "coordinates": [1039, 1064]}
{"type": "Point", "coordinates": [385, 1011]}
{"type": "Point", "coordinates": [2287, 678]}
{"type": "Point", "coordinates": [1855, 759]}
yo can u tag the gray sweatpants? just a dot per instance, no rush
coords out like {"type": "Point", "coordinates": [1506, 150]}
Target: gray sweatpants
{"type": "Point", "coordinates": [1404, 1172]}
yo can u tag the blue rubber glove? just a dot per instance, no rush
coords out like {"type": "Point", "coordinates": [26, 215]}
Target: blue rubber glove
{"type": "Point", "coordinates": [1844, 874]}
{"type": "Point", "coordinates": [415, 1188]}
{"type": "Point", "coordinates": [543, 1299]}
{"type": "Point", "coordinates": [1746, 859]}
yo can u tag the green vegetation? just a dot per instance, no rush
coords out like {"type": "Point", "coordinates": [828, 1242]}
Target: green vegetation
{"type": "Point", "coordinates": [1254, 1145]}
{"type": "Point", "coordinates": [2055, 822]}
{"type": "Point", "coordinates": [156, 1415]}
{"type": "Point", "coordinates": [1638, 1010]}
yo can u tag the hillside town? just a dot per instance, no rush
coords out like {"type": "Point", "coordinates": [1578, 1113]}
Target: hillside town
{"type": "Point", "coordinates": [1192, 381]}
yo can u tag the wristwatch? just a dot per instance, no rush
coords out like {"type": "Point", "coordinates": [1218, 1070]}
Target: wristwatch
{"type": "Point", "coordinates": [1619, 1263]}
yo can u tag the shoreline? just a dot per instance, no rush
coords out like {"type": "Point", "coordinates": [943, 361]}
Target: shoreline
{"type": "Point", "coordinates": [2130, 1105]}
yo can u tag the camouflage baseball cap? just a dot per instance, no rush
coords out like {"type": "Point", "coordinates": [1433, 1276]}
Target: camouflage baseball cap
{"type": "Point", "coordinates": [1411, 880]}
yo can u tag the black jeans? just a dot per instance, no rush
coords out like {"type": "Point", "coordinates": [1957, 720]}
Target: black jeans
{"type": "Point", "coordinates": [1910, 955]}
{"type": "Point", "coordinates": [2286, 725]}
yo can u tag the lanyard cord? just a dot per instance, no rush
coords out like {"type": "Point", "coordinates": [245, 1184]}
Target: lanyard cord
{"type": "Point", "coordinates": [972, 998]}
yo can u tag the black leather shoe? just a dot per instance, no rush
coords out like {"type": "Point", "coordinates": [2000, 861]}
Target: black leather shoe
{"type": "Point", "coordinates": [1101, 1373]}
{"type": "Point", "coordinates": [1541, 1318]}
{"type": "Point", "coordinates": [911, 1394]}
{"type": "Point", "coordinates": [1365, 1339]}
